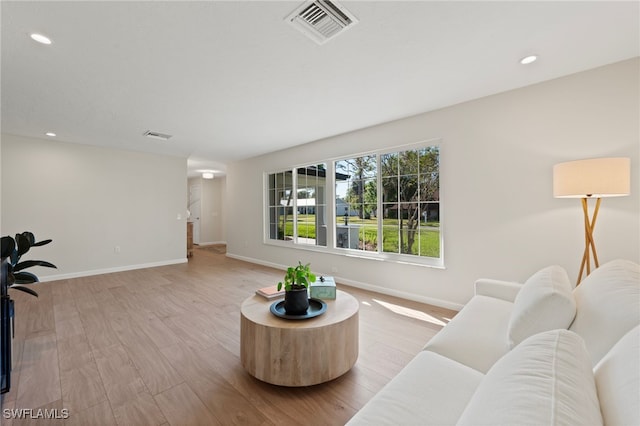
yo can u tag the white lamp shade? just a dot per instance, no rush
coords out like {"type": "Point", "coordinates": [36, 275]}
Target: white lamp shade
{"type": "Point", "coordinates": [598, 177]}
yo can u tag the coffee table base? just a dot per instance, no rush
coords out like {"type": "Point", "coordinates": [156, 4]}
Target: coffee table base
{"type": "Point", "coordinates": [299, 352]}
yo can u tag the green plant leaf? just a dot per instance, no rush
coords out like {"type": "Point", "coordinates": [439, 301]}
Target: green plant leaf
{"type": "Point", "coordinates": [30, 263]}
{"type": "Point", "coordinates": [30, 237]}
{"type": "Point", "coordinates": [25, 278]}
{"type": "Point", "coordinates": [8, 246]}
{"type": "Point", "coordinates": [13, 259]}
{"type": "Point", "coordinates": [298, 277]}
{"type": "Point", "coordinates": [10, 278]}
{"type": "Point", "coordinates": [41, 243]}
{"type": "Point", "coordinates": [25, 289]}
{"type": "Point", "coordinates": [23, 245]}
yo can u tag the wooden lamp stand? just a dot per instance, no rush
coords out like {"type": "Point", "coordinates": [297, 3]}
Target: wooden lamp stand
{"type": "Point", "coordinates": [589, 243]}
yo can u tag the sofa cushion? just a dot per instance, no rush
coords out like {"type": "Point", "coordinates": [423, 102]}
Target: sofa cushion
{"type": "Point", "coordinates": [608, 306]}
{"type": "Point", "coordinates": [544, 302]}
{"type": "Point", "coordinates": [546, 380]}
{"type": "Point", "coordinates": [431, 389]}
{"type": "Point", "coordinates": [475, 337]}
{"type": "Point", "coordinates": [618, 381]}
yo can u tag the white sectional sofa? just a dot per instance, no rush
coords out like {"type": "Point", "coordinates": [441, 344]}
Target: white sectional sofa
{"type": "Point", "coordinates": [541, 352]}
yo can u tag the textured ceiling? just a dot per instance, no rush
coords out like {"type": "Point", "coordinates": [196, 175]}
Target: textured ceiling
{"type": "Point", "coordinates": [231, 80]}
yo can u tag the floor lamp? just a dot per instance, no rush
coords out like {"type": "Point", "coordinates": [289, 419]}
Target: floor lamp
{"type": "Point", "coordinates": [594, 178]}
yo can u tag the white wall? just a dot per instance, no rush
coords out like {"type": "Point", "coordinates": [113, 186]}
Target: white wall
{"type": "Point", "coordinates": [90, 200]}
{"type": "Point", "coordinates": [212, 214]}
{"type": "Point", "coordinates": [500, 219]}
{"type": "Point", "coordinates": [218, 214]}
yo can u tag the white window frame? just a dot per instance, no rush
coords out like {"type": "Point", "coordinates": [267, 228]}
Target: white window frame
{"type": "Point", "coordinates": [331, 215]}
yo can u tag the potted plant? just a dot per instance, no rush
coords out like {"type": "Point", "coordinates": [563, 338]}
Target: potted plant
{"type": "Point", "coordinates": [13, 250]}
{"type": "Point", "coordinates": [296, 282]}
{"type": "Point", "coordinates": [14, 276]}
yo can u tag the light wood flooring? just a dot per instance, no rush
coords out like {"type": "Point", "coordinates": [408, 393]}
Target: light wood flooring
{"type": "Point", "coordinates": [160, 346]}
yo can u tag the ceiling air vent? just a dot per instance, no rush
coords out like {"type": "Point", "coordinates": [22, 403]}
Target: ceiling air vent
{"type": "Point", "coordinates": [156, 135]}
{"type": "Point", "coordinates": [321, 20]}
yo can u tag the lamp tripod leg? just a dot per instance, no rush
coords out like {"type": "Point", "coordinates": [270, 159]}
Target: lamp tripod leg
{"type": "Point", "coordinates": [591, 228]}
{"type": "Point", "coordinates": [590, 245]}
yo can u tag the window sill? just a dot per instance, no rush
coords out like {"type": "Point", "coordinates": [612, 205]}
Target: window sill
{"type": "Point", "coordinates": [427, 262]}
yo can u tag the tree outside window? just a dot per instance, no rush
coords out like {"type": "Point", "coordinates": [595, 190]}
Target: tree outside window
{"type": "Point", "coordinates": [410, 201]}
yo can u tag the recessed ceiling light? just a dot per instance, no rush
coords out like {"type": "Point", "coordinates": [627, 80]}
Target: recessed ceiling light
{"type": "Point", "coordinates": [40, 38]}
{"type": "Point", "coordinates": [528, 59]}
{"type": "Point", "coordinates": [207, 175]}
{"type": "Point", "coordinates": [51, 134]}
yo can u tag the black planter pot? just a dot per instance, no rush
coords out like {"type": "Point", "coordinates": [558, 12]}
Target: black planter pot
{"type": "Point", "coordinates": [296, 301]}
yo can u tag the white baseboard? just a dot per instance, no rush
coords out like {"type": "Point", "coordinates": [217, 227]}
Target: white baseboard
{"type": "Point", "coordinates": [257, 261]}
{"type": "Point", "coordinates": [111, 270]}
{"type": "Point", "coordinates": [401, 294]}
{"type": "Point", "coordinates": [364, 286]}
{"type": "Point", "coordinates": [210, 243]}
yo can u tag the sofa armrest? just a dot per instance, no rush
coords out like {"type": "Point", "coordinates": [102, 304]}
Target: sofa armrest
{"type": "Point", "coordinates": [505, 290]}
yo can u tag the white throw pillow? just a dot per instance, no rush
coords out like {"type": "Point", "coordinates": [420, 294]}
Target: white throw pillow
{"type": "Point", "coordinates": [618, 381]}
{"type": "Point", "coordinates": [608, 306]}
{"type": "Point", "coordinates": [546, 380]}
{"type": "Point", "coordinates": [544, 303]}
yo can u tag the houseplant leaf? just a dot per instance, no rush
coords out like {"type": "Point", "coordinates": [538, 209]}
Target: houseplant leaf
{"type": "Point", "coordinates": [25, 278]}
{"type": "Point", "coordinates": [30, 237]}
{"type": "Point", "coordinates": [41, 243]}
{"type": "Point", "coordinates": [10, 279]}
{"type": "Point", "coordinates": [14, 248]}
{"type": "Point", "coordinates": [8, 246]}
{"type": "Point", "coordinates": [13, 258]}
{"type": "Point", "coordinates": [23, 245]}
{"type": "Point", "coordinates": [25, 289]}
{"type": "Point", "coordinates": [29, 263]}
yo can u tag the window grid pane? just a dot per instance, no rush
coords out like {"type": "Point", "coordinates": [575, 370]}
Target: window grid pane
{"type": "Point", "coordinates": [310, 199]}
{"type": "Point", "coordinates": [410, 177]}
{"type": "Point", "coordinates": [408, 222]}
{"type": "Point", "coordinates": [356, 200]}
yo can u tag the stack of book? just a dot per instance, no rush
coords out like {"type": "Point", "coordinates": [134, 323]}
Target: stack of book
{"type": "Point", "coordinates": [270, 292]}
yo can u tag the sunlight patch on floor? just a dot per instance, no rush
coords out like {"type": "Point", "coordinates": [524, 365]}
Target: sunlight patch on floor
{"type": "Point", "coordinates": [411, 313]}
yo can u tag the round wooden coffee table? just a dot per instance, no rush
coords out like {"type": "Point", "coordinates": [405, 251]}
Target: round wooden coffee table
{"type": "Point", "coordinates": [299, 352]}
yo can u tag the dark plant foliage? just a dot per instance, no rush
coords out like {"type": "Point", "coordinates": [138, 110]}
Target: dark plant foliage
{"type": "Point", "coordinates": [13, 249]}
